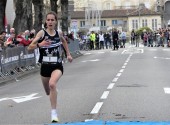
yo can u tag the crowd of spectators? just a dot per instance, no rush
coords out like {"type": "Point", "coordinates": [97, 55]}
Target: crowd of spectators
{"type": "Point", "coordinates": [13, 40]}
{"type": "Point", "coordinates": [96, 40]}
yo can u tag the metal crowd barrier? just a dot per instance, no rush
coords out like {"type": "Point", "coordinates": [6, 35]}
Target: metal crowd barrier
{"type": "Point", "coordinates": [14, 61]}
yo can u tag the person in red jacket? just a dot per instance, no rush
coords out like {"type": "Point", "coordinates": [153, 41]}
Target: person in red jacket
{"type": "Point", "coordinates": [22, 41]}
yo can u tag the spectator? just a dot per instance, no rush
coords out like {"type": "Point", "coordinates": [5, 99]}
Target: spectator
{"type": "Point", "coordinates": [101, 40]}
{"type": "Point", "coordinates": [11, 41]}
{"type": "Point", "coordinates": [22, 40]}
{"type": "Point", "coordinates": [115, 38]}
{"type": "Point", "coordinates": [71, 36]}
{"type": "Point", "coordinates": [123, 38]}
{"type": "Point", "coordinates": [2, 39]}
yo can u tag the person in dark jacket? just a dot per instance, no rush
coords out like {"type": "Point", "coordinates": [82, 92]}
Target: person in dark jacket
{"type": "Point", "coordinates": [115, 38]}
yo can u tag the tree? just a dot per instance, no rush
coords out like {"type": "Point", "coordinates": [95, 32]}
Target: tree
{"type": "Point", "coordinates": [54, 6]}
{"type": "Point", "coordinates": [23, 19]}
{"type": "Point", "coordinates": [64, 15]}
{"type": "Point", "coordinates": [2, 14]}
{"type": "Point", "coordinates": [38, 14]}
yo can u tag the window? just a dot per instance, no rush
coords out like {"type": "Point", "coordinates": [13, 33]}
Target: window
{"type": "Point", "coordinates": [82, 23]}
{"type": "Point", "coordinates": [135, 24]}
{"type": "Point", "coordinates": [154, 24]}
{"type": "Point", "coordinates": [144, 23]}
{"type": "Point", "coordinates": [108, 6]}
{"type": "Point", "coordinates": [147, 5]}
{"type": "Point", "coordinates": [127, 5]}
{"type": "Point", "coordinates": [103, 23]}
{"type": "Point", "coordinates": [114, 22]}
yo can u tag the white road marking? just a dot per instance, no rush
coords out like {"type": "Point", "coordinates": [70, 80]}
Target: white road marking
{"type": "Point", "coordinates": [94, 60]}
{"type": "Point", "coordinates": [121, 70]}
{"type": "Point", "coordinates": [111, 85]}
{"type": "Point", "coordinates": [105, 95]}
{"type": "Point", "coordinates": [127, 61]}
{"type": "Point", "coordinates": [87, 120]}
{"type": "Point", "coordinates": [115, 80]}
{"type": "Point", "coordinates": [25, 98]}
{"type": "Point", "coordinates": [125, 64]}
{"type": "Point", "coordinates": [101, 52]}
{"type": "Point", "coordinates": [3, 99]}
{"type": "Point", "coordinates": [87, 54]}
{"type": "Point", "coordinates": [22, 98]}
{"type": "Point", "coordinates": [119, 74]}
{"type": "Point", "coordinates": [123, 51]}
{"type": "Point", "coordinates": [96, 108]}
{"type": "Point", "coordinates": [167, 90]}
{"type": "Point", "coordinates": [123, 67]}
{"type": "Point", "coordinates": [160, 57]}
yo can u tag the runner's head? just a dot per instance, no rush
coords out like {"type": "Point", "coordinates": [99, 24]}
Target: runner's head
{"type": "Point", "coordinates": [51, 20]}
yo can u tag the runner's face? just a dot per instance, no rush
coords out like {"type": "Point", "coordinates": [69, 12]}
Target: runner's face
{"type": "Point", "coordinates": [51, 21]}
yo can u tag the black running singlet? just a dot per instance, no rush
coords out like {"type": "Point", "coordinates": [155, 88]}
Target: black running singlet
{"type": "Point", "coordinates": [51, 54]}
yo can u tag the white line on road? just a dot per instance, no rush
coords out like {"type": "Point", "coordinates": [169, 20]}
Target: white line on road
{"type": "Point", "coordinates": [3, 99]}
{"type": "Point", "coordinates": [101, 52]}
{"type": "Point", "coordinates": [96, 108]}
{"type": "Point", "coordinates": [115, 80]}
{"type": "Point", "coordinates": [87, 120]}
{"type": "Point", "coordinates": [123, 67]}
{"type": "Point", "coordinates": [87, 54]}
{"type": "Point", "coordinates": [119, 74]}
{"type": "Point", "coordinates": [167, 90]}
{"type": "Point", "coordinates": [160, 57]}
{"type": "Point", "coordinates": [110, 85]}
{"type": "Point", "coordinates": [121, 70]}
{"type": "Point", "coordinates": [123, 51]}
{"type": "Point", "coordinates": [125, 64]}
{"type": "Point", "coordinates": [105, 95]}
{"type": "Point", "coordinates": [94, 60]}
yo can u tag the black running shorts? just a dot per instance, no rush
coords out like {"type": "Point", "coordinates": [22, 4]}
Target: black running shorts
{"type": "Point", "coordinates": [47, 69]}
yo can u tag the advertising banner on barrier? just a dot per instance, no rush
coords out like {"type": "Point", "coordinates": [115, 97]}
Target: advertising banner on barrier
{"type": "Point", "coordinates": [30, 57]}
{"type": "Point", "coordinates": [10, 59]}
{"type": "Point", "coordinates": [21, 57]}
{"type": "Point", "coordinates": [16, 57]}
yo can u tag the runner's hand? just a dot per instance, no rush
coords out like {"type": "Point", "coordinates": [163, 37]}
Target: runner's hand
{"type": "Point", "coordinates": [69, 58]}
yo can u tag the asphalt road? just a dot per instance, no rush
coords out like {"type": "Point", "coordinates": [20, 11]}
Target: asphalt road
{"type": "Point", "coordinates": [131, 84]}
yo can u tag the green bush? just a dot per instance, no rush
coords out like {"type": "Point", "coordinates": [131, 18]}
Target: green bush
{"type": "Point", "coordinates": [139, 31]}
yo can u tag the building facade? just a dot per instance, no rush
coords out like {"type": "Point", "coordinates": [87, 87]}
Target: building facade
{"type": "Point", "coordinates": [123, 19]}
{"type": "Point", "coordinates": [113, 4]}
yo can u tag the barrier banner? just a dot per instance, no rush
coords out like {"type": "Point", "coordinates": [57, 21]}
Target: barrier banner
{"type": "Point", "coordinates": [10, 59]}
{"type": "Point", "coordinates": [21, 56]}
{"type": "Point", "coordinates": [30, 57]}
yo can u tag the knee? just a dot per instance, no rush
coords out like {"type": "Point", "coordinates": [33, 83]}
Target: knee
{"type": "Point", "coordinates": [52, 86]}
